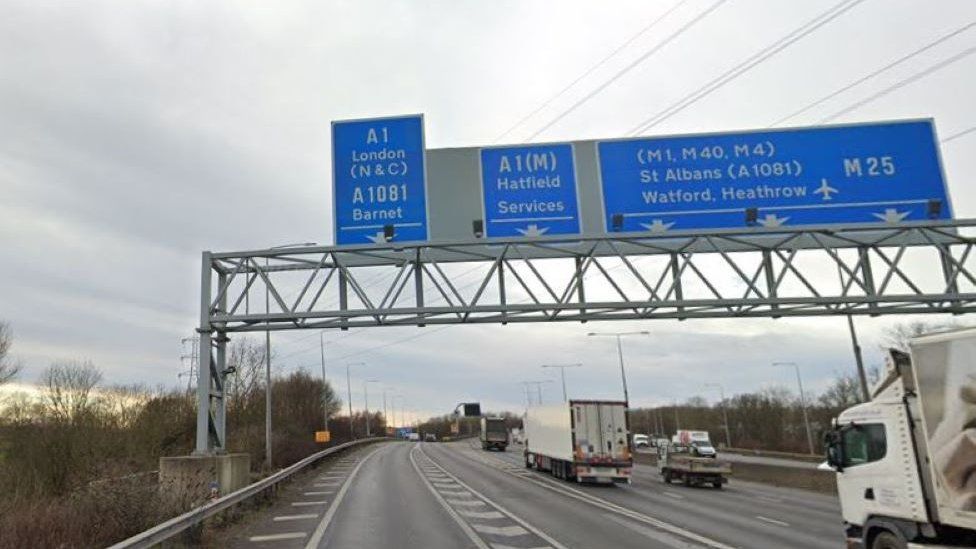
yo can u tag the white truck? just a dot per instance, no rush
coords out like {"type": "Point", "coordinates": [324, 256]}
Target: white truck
{"type": "Point", "coordinates": [585, 440]}
{"type": "Point", "coordinates": [906, 460]}
{"type": "Point", "coordinates": [697, 441]}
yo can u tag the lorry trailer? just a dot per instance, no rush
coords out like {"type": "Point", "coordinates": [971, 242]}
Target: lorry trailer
{"type": "Point", "coordinates": [582, 440]}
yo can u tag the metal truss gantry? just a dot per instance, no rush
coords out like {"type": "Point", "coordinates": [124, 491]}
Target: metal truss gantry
{"type": "Point", "coordinates": [871, 269]}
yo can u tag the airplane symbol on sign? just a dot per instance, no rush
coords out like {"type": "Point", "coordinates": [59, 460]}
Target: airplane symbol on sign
{"type": "Point", "coordinates": [825, 190]}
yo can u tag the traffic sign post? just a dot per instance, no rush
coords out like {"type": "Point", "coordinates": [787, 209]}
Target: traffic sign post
{"type": "Point", "coordinates": [379, 180]}
{"type": "Point", "coordinates": [887, 172]}
{"type": "Point", "coordinates": [529, 191]}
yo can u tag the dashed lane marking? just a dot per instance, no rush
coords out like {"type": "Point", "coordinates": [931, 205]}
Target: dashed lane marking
{"type": "Point", "coordinates": [560, 487]}
{"type": "Point", "coordinates": [465, 502]}
{"type": "Point", "coordinates": [307, 503]}
{"type": "Point", "coordinates": [282, 518]}
{"type": "Point", "coordinates": [316, 538]}
{"type": "Point", "coordinates": [481, 514]}
{"type": "Point", "coordinates": [507, 531]}
{"type": "Point", "coordinates": [673, 495]}
{"type": "Point", "coordinates": [524, 528]}
{"type": "Point", "coordinates": [772, 521]}
{"type": "Point", "coordinates": [316, 493]}
{"type": "Point", "coordinates": [278, 537]}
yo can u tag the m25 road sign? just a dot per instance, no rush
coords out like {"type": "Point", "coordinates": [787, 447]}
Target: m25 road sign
{"type": "Point", "coordinates": [379, 180]}
{"type": "Point", "coordinates": [885, 172]}
{"type": "Point", "coordinates": [529, 190]}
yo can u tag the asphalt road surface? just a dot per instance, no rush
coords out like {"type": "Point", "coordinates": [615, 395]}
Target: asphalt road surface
{"type": "Point", "coordinates": [745, 458]}
{"type": "Point", "coordinates": [433, 496]}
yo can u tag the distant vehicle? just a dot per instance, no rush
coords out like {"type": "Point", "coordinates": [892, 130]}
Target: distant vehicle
{"type": "Point", "coordinates": [494, 433]}
{"type": "Point", "coordinates": [905, 460]}
{"type": "Point", "coordinates": [585, 440]}
{"type": "Point", "coordinates": [430, 437]}
{"type": "Point", "coordinates": [414, 437]}
{"type": "Point", "coordinates": [641, 441]}
{"type": "Point", "coordinates": [517, 436]}
{"type": "Point", "coordinates": [697, 441]}
{"type": "Point", "coordinates": [680, 462]}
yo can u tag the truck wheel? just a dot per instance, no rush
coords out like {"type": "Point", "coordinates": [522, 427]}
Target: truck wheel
{"type": "Point", "coordinates": [887, 540]}
{"type": "Point", "coordinates": [687, 480]}
{"type": "Point", "coordinates": [667, 476]}
{"type": "Point", "coordinates": [717, 484]}
{"type": "Point", "coordinates": [528, 461]}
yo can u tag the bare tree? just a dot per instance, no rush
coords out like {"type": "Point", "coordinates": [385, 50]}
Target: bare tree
{"type": "Point", "coordinates": [8, 368]}
{"type": "Point", "coordinates": [69, 386]}
{"type": "Point", "coordinates": [898, 336]}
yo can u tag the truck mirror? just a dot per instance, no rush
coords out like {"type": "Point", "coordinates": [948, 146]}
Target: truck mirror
{"type": "Point", "coordinates": [835, 458]}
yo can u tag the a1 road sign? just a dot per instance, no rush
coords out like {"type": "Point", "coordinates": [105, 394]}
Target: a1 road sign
{"type": "Point", "coordinates": [885, 172]}
{"type": "Point", "coordinates": [529, 190]}
{"type": "Point", "coordinates": [379, 180]}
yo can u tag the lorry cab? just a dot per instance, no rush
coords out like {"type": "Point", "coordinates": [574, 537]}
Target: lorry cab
{"type": "Point", "coordinates": [905, 461]}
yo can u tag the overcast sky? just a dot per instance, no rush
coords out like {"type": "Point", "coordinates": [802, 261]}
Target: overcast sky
{"type": "Point", "coordinates": [134, 135]}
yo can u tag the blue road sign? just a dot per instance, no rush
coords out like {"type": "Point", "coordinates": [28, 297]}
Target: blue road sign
{"type": "Point", "coordinates": [529, 190]}
{"type": "Point", "coordinates": [379, 180]}
{"type": "Point", "coordinates": [886, 172]}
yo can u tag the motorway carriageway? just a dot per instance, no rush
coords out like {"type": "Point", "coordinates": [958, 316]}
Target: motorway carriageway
{"type": "Point", "coordinates": [437, 495]}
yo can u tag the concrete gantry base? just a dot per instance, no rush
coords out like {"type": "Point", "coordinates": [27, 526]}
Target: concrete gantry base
{"type": "Point", "coordinates": [188, 481]}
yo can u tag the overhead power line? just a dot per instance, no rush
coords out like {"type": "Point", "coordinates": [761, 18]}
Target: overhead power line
{"type": "Point", "coordinates": [957, 135]}
{"type": "Point", "coordinates": [901, 84]}
{"type": "Point", "coordinates": [875, 73]}
{"type": "Point", "coordinates": [759, 57]}
{"type": "Point", "coordinates": [657, 47]}
{"type": "Point", "coordinates": [592, 68]}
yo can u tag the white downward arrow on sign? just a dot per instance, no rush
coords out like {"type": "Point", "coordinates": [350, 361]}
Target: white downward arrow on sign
{"type": "Point", "coordinates": [891, 215]}
{"type": "Point", "coordinates": [533, 230]}
{"type": "Point", "coordinates": [657, 226]}
{"type": "Point", "coordinates": [378, 238]}
{"type": "Point", "coordinates": [772, 221]}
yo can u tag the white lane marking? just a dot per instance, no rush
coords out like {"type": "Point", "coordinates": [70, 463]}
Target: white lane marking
{"type": "Point", "coordinates": [499, 530]}
{"type": "Point", "coordinates": [465, 502]}
{"type": "Point", "coordinates": [502, 546]}
{"type": "Point", "coordinates": [456, 493]}
{"type": "Point", "coordinates": [663, 538]}
{"type": "Point", "coordinates": [316, 493]}
{"type": "Point", "coordinates": [307, 503]}
{"type": "Point", "coordinates": [295, 517]}
{"type": "Point", "coordinates": [770, 499]}
{"type": "Point", "coordinates": [481, 514]}
{"type": "Point", "coordinates": [326, 484]}
{"type": "Point", "coordinates": [546, 537]}
{"type": "Point", "coordinates": [444, 503]}
{"type": "Point", "coordinates": [772, 521]}
{"type": "Point", "coordinates": [673, 495]}
{"type": "Point", "coordinates": [316, 538]}
{"type": "Point", "coordinates": [620, 510]}
{"type": "Point", "coordinates": [278, 537]}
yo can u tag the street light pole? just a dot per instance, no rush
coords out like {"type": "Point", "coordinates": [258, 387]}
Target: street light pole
{"type": "Point", "coordinates": [803, 404]}
{"type": "Point", "coordinates": [325, 384]}
{"type": "Point", "coordinates": [366, 401]}
{"type": "Point", "coordinates": [620, 356]}
{"type": "Point", "coordinates": [562, 374]}
{"type": "Point", "coordinates": [267, 352]}
{"type": "Point", "coordinates": [352, 432]}
{"type": "Point", "coordinates": [725, 412]}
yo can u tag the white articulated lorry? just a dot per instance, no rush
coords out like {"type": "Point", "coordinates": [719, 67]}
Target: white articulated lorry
{"type": "Point", "coordinates": [585, 440]}
{"type": "Point", "coordinates": [906, 460]}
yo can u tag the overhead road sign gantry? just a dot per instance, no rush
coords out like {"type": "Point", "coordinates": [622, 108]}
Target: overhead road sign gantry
{"type": "Point", "coordinates": [529, 190]}
{"type": "Point", "coordinates": [878, 172]}
{"type": "Point", "coordinates": [379, 180]}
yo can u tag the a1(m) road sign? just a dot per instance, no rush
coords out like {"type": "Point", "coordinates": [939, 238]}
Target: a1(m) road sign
{"type": "Point", "coordinates": [379, 180]}
{"type": "Point", "coordinates": [529, 190]}
{"type": "Point", "coordinates": [882, 172]}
